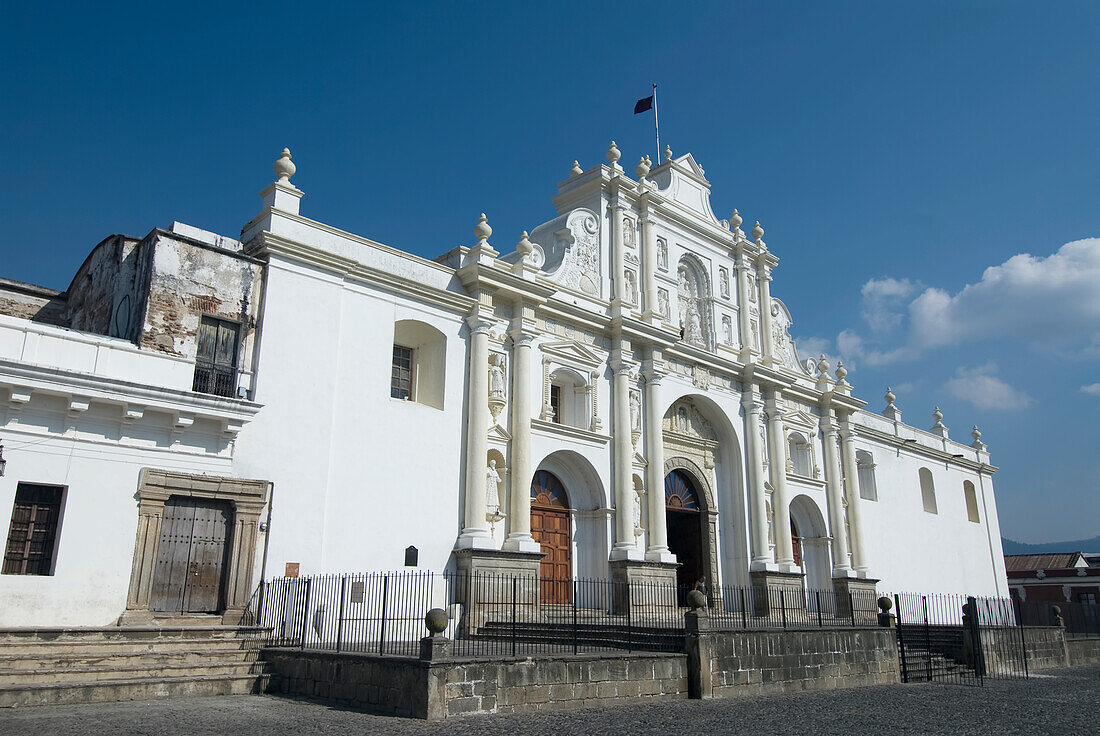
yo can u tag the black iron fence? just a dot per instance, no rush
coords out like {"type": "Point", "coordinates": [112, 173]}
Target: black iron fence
{"type": "Point", "coordinates": [518, 615]}
{"type": "Point", "coordinates": [959, 638]}
{"type": "Point", "coordinates": [1081, 620]}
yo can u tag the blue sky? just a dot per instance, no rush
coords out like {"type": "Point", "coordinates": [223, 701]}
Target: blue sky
{"type": "Point", "coordinates": [902, 158]}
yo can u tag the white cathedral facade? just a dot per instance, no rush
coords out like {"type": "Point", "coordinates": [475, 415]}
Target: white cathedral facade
{"type": "Point", "coordinates": [618, 397]}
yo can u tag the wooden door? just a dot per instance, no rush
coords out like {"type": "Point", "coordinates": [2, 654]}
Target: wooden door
{"type": "Point", "coordinates": [191, 556]}
{"type": "Point", "coordinates": [550, 526]}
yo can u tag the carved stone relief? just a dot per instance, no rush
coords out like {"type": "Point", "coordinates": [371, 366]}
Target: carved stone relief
{"type": "Point", "coordinates": [580, 241]}
{"type": "Point", "coordinates": [662, 302]}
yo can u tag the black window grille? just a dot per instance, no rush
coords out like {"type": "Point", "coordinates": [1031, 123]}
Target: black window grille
{"type": "Point", "coordinates": [555, 402]}
{"type": "Point", "coordinates": [33, 531]}
{"type": "Point", "coordinates": [216, 359]}
{"type": "Point", "coordinates": [401, 375]}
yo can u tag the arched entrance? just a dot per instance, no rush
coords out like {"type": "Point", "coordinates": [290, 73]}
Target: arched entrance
{"type": "Point", "coordinates": [810, 543]}
{"type": "Point", "coordinates": [550, 527]}
{"type": "Point", "coordinates": [685, 528]}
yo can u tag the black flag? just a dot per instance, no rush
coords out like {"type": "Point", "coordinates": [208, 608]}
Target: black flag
{"type": "Point", "coordinates": [646, 103]}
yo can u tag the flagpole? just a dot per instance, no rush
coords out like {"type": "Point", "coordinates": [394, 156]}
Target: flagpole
{"type": "Point", "coordinates": [656, 123]}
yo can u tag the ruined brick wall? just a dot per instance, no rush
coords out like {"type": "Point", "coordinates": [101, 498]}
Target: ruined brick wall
{"type": "Point", "coordinates": [189, 279]}
{"type": "Point", "coordinates": [106, 293]}
{"type": "Point", "coordinates": [35, 303]}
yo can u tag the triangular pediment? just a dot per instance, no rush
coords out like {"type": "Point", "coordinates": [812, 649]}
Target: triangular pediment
{"type": "Point", "coordinates": [497, 432]}
{"type": "Point", "coordinates": [572, 352]}
{"type": "Point", "coordinates": [682, 181]}
{"type": "Point", "coordinates": [800, 419]}
{"type": "Point", "coordinates": [688, 162]}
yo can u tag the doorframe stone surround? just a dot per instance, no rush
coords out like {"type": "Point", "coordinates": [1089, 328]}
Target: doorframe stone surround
{"type": "Point", "coordinates": [247, 499]}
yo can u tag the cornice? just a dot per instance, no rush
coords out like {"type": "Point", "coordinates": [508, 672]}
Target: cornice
{"type": "Point", "coordinates": [915, 448]}
{"type": "Point", "coordinates": [351, 269]}
{"type": "Point", "coordinates": [561, 430]}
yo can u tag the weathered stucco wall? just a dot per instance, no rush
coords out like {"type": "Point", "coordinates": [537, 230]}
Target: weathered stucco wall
{"type": "Point", "coordinates": [106, 294]}
{"type": "Point", "coordinates": [35, 303]}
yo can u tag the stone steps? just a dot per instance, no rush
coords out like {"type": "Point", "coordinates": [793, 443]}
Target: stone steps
{"type": "Point", "coordinates": [137, 688]}
{"type": "Point", "coordinates": [95, 664]}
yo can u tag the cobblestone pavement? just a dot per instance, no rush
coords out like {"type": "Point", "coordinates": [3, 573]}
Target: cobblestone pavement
{"type": "Point", "coordinates": [1060, 702]}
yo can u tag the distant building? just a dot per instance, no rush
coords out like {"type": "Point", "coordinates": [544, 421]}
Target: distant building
{"type": "Point", "coordinates": [618, 397]}
{"type": "Point", "coordinates": [1058, 578]}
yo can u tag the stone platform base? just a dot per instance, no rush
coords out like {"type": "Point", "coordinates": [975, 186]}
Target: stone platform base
{"type": "Point", "coordinates": [638, 586]}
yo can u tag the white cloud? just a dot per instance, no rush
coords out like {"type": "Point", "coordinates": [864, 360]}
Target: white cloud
{"type": "Point", "coordinates": [983, 389]}
{"type": "Point", "coordinates": [815, 347]}
{"type": "Point", "coordinates": [1053, 301]}
{"type": "Point", "coordinates": [1092, 388]}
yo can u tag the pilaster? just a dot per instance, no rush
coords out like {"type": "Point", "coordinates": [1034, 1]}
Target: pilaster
{"type": "Point", "coordinates": [762, 558]}
{"type": "Point", "coordinates": [474, 534]}
{"type": "Point", "coordinates": [834, 493]}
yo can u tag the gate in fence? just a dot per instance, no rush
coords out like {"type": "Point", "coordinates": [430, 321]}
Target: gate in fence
{"type": "Point", "coordinates": [959, 639]}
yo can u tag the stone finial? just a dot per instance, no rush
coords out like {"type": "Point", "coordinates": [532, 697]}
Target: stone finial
{"type": "Point", "coordinates": [823, 365]}
{"type": "Point", "coordinates": [482, 231]}
{"type": "Point", "coordinates": [524, 247]}
{"type": "Point", "coordinates": [284, 167]}
{"type": "Point", "coordinates": [841, 371]}
{"type": "Point", "coordinates": [436, 621]}
{"type": "Point", "coordinates": [642, 169]}
{"type": "Point", "coordinates": [735, 220]}
{"type": "Point", "coordinates": [976, 434]}
{"type": "Point", "coordinates": [613, 153]}
{"type": "Point", "coordinates": [576, 170]}
{"type": "Point", "coordinates": [938, 428]}
{"type": "Point", "coordinates": [757, 232]}
{"type": "Point", "coordinates": [891, 411]}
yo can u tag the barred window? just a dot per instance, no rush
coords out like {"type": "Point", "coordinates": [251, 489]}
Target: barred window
{"type": "Point", "coordinates": [32, 535]}
{"type": "Point", "coordinates": [216, 358]}
{"type": "Point", "coordinates": [401, 374]}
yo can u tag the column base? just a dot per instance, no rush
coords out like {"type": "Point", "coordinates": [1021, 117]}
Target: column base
{"type": "Point", "coordinates": [661, 555]}
{"type": "Point", "coordinates": [522, 543]}
{"type": "Point", "coordinates": [775, 593]}
{"type": "Point", "coordinates": [486, 577]}
{"type": "Point", "coordinates": [475, 539]}
{"type": "Point", "coordinates": [627, 553]}
{"type": "Point", "coordinates": [856, 598]}
{"type": "Point", "coordinates": [638, 586]}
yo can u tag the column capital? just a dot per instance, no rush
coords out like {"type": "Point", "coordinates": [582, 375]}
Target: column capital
{"type": "Point", "coordinates": [653, 376]}
{"type": "Point", "coordinates": [619, 366]}
{"type": "Point", "coordinates": [752, 403]}
{"type": "Point", "coordinates": [522, 337]}
{"type": "Point", "coordinates": [478, 324]}
{"type": "Point", "coordinates": [763, 271]}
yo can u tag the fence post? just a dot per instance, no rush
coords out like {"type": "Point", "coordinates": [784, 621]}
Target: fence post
{"type": "Point", "coordinates": [340, 620]}
{"type": "Point", "coordinates": [927, 635]}
{"type": "Point", "coordinates": [629, 625]}
{"type": "Point", "coordinates": [1023, 639]}
{"type": "Point", "coordinates": [305, 611]}
{"type": "Point", "coordinates": [513, 615]}
{"type": "Point", "coordinates": [574, 617]}
{"type": "Point", "coordinates": [744, 611]}
{"type": "Point", "coordinates": [852, 608]}
{"type": "Point", "coordinates": [817, 598]}
{"type": "Point", "coordinates": [783, 608]}
{"type": "Point", "coordinates": [901, 639]}
{"type": "Point", "coordinates": [382, 617]}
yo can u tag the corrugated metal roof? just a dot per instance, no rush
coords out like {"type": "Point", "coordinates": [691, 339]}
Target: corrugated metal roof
{"type": "Point", "coordinates": [1019, 563]}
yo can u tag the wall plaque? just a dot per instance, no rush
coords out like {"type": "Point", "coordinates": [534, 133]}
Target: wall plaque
{"type": "Point", "coordinates": [291, 570]}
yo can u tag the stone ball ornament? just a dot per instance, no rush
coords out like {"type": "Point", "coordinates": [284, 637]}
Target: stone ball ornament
{"type": "Point", "coordinates": [885, 604]}
{"type": "Point", "coordinates": [697, 599]}
{"type": "Point", "coordinates": [436, 620]}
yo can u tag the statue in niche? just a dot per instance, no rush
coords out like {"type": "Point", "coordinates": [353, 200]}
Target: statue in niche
{"type": "Point", "coordinates": [635, 412]}
{"type": "Point", "coordinates": [628, 232]}
{"type": "Point", "coordinates": [496, 377]}
{"type": "Point", "coordinates": [727, 330]}
{"type": "Point", "coordinates": [492, 489]}
{"type": "Point", "coordinates": [724, 282]}
{"type": "Point", "coordinates": [682, 419]}
{"type": "Point", "coordinates": [662, 255]}
{"type": "Point", "coordinates": [691, 322]}
{"type": "Point", "coordinates": [631, 284]}
{"type": "Point", "coordinates": [638, 509]}
{"type": "Point", "coordinates": [662, 302]}
{"type": "Point", "coordinates": [751, 281]}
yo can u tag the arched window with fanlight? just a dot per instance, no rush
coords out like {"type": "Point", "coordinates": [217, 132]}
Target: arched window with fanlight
{"type": "Point", "coordinates": [680, 492]}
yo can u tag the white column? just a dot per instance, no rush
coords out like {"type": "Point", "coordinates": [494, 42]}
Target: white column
{"type": "Point", "coordinates": [655, 469]}
{"type": "Point", "coordinates": [626, 547]}
{"type": "Point", "coordinates": [777, 465]}
{"type": "Point", "coordinates": [475, 534]}
{"type": "Point", "coordinates": [764, 275]}
{"type": "Point", "coordinates": [754, 452]}
{"type": "Point", "coordinates": [618, 261]}
{"type": "Point", "coordinates": [834, 493]}
{"type": "Point", "coordinates": [519, 506]}
{"type": "Point", "coordinates": [851, 492]}
{"type": "Point", "coordinates": [744, 317]}
{"type": "Point", "coordinates": [649, 265]}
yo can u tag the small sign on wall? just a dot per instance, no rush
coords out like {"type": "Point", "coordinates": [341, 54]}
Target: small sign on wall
{"type": "Point", "coordinates": [291, 570]}
{"type": "Point", "coordinates": [411, 555]}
